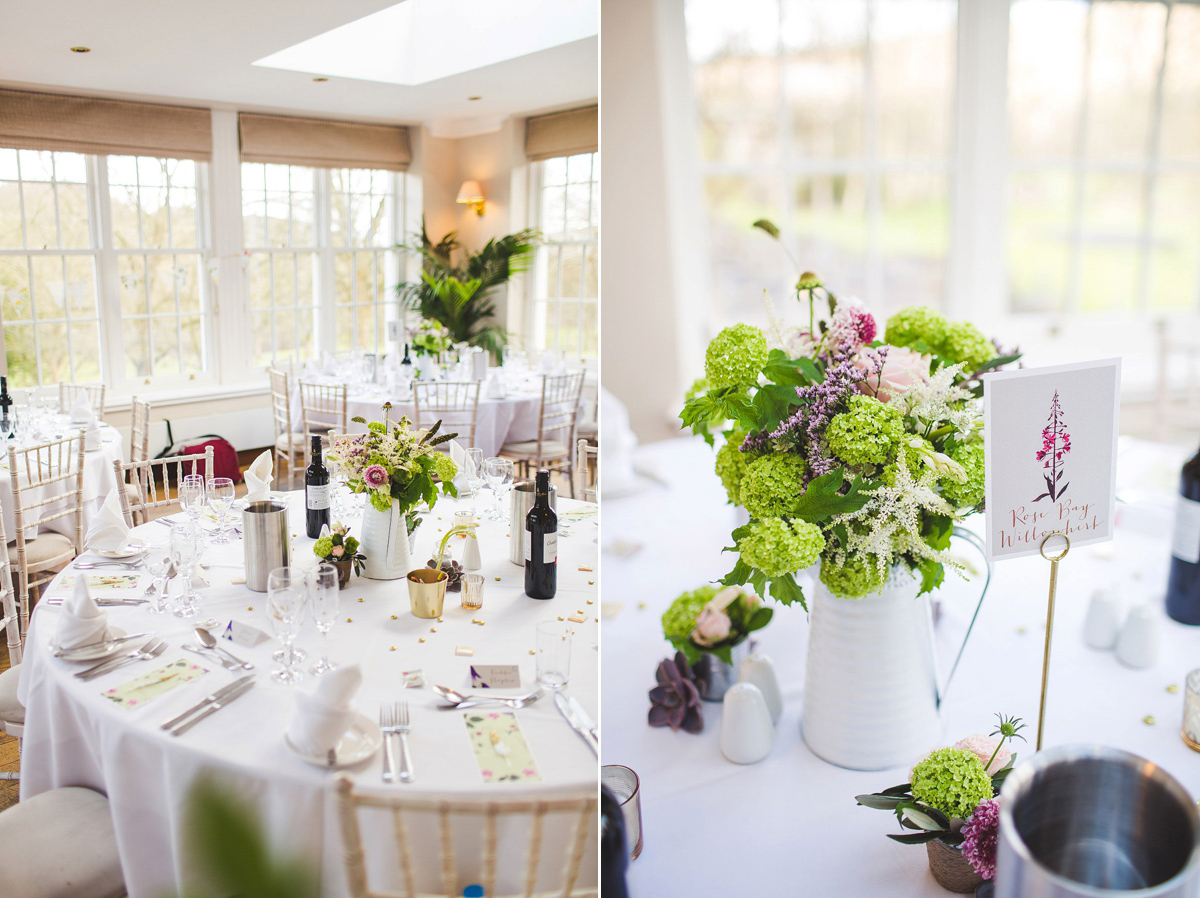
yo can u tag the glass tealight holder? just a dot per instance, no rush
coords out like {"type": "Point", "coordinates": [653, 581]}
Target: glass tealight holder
{"type": "Point", "coordinates": [472, 591]}
{"type": "Point", "coordinates": [1191, 711]}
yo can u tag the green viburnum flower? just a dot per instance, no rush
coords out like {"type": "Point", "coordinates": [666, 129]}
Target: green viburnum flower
{"type": "Point", "coordinates": [970, 457]}
{"type": "Point", "coordinates": [867, 433]}
{"type": "Point", "coordinates": [735, 357]}
{"type": "Point", "coordinates": [323, 546]}
{"type": "Point", "coordinates": [952, 780]}
{"type": "Point", "coordinates": [772, 485]}
{"type": "Point", "coordinates": [777, 547]}
{"type": "Point", "coordinates": [854, 578]}
{"type": "Point", "coordinates": [966, 345]}
{"type": "Point", "coordinates": [731, 465]}
{"type": "Point", "coordinates": [679, 619]}
{"type": "Point", "coordinates": [915, 323]}
{"type": "Point", "coordinates": [444, 467]}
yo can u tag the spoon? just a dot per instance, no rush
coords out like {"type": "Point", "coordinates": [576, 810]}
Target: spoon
{"type": "Point", "coordinates": [209, 641]}
{"type": "Point", "coordinates": [457, 698]}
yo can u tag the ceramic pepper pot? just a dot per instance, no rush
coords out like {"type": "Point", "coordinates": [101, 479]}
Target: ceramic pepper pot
{"type": "Point", "coordinates": [746, 728]}
{"type": "Point", "coordinates": [758, 669]}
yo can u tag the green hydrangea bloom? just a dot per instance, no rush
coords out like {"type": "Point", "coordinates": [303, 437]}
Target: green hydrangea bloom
{"type": "Point", "coordinates": [915, 323]}
{"type": "Point", "coordinates": [444, 467]}
{"type": "Point", "coordinates": [856, 577]}
{"type": "Point", "coordinates": [323, 546]}
{"type": "Point", "coordinates": [772, 485]}
{"type": "Point", "coordinates": [952, 780]}
{"type": "Point", "coordinates": [679, 619]}
{"type": "Point", "coordinates": [965, 344]}
{"type": "Point", "coordinates": [970, 456]}
{"type": "Point", "coordinates": [735, 357]}
{"type": "Point", "coordinates": [867, 433]}
{"type": "Point", "coordinates": [731, 465]}
{"type": "Point", "coordinates": [777, 547]}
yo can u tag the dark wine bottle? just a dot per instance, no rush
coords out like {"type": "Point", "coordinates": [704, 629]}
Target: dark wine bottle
{"type": "Point", "coordinates": [406, 360]}
{"type": "Point", "coordinates": [316, 493]}
{"type": "Point", "coordinates": [541, 542]}
{"type": "Point", "coordinates": [5, 405]}
{"type": "Point", "coordinates": [614, 850]}
{"type": "Point", "coordinates": [1183, 582]}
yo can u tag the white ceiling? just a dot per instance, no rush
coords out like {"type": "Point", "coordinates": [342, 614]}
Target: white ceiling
{"type": "Point", "coordinates": [201, 52]}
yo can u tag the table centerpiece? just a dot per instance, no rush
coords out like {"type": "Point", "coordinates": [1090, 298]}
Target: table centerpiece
{"type": "Point", "coordinates": [712, 629]}
{"type": "Point", "coordinates": [340, 549]}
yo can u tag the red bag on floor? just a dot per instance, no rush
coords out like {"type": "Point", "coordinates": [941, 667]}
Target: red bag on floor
{"type": "Point", "coordinates": [225, 457]}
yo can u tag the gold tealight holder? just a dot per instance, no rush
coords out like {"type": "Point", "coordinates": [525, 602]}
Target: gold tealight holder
{"type": "Point", "coordinates": [1191, 711]}
{"type": "Point", "coordinates": [427, 592]}
{"type": "Point", "coordinates": [472, 592]}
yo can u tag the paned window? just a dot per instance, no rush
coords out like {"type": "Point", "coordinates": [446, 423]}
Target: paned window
{"type": "Point", "coordinates": [366, 263]}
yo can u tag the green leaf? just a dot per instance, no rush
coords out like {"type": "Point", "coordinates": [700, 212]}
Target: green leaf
{"type": "Point", "coordinates": [738, 576]}
{"type": "Point", "coordinates": [769, 226]}
{"type": "Point", "coordinates": [999, 362]}
{"type": "Point", "coordinates": [785, 590]}
{"type": "Point", "coordinates": [902, 789]}
{"type": "Point", "coordinates": [759, 581]}
{"type": "Point", "coordinates": [933, 572]}
{"type": "Point", "coordinates": [810, 370]}
{"type": "Point", "coordinates": [725, 653]}
{"type": "Point", "coordinates": [880, 802]}
{"type": "Point", "coordinates": [923, 816]}
{"type": "Point", "coordinates": [359, 419]}
{"type": "Point", "coordinates": [761, 617]}
{"type": "Point", "coordinates": [915, 838]}
{"type": "Point", "coordinates": [782, 370]}
{"type": "Point", "coordinates": [822, 500]}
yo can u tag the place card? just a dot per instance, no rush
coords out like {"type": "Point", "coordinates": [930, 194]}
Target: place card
{"type": "Point", "coordinates": [500, 749]}
{"type": "Point", "coordinates": [143, 689]}
{"type": "Point", "coordinates": [495, 676]}
{"type": "Point", "coordinates": [1050, 440]}
{"type": "Point", "coordinates": [100, 581]}
{"type": "Point", "coordinates": [244, 634]}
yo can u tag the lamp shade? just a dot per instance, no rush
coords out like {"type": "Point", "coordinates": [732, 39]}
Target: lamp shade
{"type": "Point", "coordinates": [470, 192]}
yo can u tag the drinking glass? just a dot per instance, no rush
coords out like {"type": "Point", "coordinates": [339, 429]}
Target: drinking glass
{"type": "Point", "coordinates": [8, 423]}
{"type": "Point", "coordinates": [553, 654]}
{"type": "Point", "coordinates": [474, 474]}
{"type": "Point", "coordinates": [220, 494]}
{"type": "Point", "coordinates": [191, 496]}
{"type": "Point", "coordinates": [287, 596]}
{"type": "Point", "coordinates": [323, 602]}
{"type": "Point", "coordinates": [158, 562]}
{"type": "Point", "coordinates": [185, 553]}
{"type": "Point", "coordinates": [499, 474]}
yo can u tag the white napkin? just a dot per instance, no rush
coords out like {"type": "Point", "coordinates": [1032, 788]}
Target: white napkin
{"type": "Point", "coordinates": [495, 387]}
{"type": "Point", "coordinates": [81, 621]}
{"type": "Point", "coordinates": [459, 456]}
{"type": "Point", "coordinates": [322, 716]}
{"type": "Point", "coordinates": [259, 476]}
{"type": "Point", "coordinates": [91, 436]}
{"type": "Point", "coordinates": [81, 411]}
{"type": "Point", "coordinates": [108, 532]}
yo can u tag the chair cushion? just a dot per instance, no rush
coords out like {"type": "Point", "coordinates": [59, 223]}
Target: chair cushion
{"type": "Point", "coordinates": [294, 441]}
{"type": "Point", "coordinates": [528, 449]}
{"type": "Point", "coordinates": [60, 844]}
{"type": "Point", "coordinates": [47, 545]}
{"type": "Point", "coordinates": [11, 710]}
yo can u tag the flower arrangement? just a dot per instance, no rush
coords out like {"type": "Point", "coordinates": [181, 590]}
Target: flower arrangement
{"type": "Point", "coordinates": [335, 545]}
{"type": "Point", "coordinates": [952, 796]}
{"type": "Point", "coordinates": [708, 620]}
{"type": "Point", "coordinates": [429, 337]}
{"type": "Point", "coordinates": [849, 449]}
{"type": "Point", "coordinates": [394, 463]}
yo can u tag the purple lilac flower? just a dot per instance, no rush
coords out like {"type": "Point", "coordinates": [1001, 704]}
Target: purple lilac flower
{"type": "Point", "coordinates": [375, 475]}
{"type": "Point", "coordinates": [980, 833]}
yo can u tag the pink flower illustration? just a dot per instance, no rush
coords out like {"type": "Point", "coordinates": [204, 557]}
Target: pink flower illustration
{"type": "Point", "coordinates": [529, 771]}
{"type": "Point", "coordinates": [1056, 442]}
{"type": "Point", "coordinates": [494, 716]}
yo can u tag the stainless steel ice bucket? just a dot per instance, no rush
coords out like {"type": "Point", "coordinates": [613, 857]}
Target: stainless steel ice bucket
{"type": "Point", "coordinates": [267, 540]}
{"type": "Point", "coordinates": [522, 501]}
{"type": "Point", "coordinates": [1087, 820]}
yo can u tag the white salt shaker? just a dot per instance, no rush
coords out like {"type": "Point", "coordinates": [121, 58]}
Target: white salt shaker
{"type": "Point", "coordinates": [1103, 621]}
{"type": "Point", "coordinates": [1137, 644]}
{"type": "Point", "coordinates": [746, 728]}
{"type": "Point", "coordinates": [759, 670]}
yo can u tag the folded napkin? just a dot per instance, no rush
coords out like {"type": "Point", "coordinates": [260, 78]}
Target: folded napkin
{"type": "Point", "coordinates": [91, 436]}
{"type": "Point", "coordinates": [81, 411]}
{"type": "Point", "coordinates": [108, 532]}
{"type": "Point", "coordinates": [459, 456]}
{"type": "Point", "coordinates": [495, 387]}
{"type": "Point", "coordinates": [323, 715]}
{"type": "Point", "coordinates": [81, 621]}
{"type": "Point", "coordinates": [258, 478]}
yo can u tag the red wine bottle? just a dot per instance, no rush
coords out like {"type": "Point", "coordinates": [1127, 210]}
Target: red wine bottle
{"type": "Point", "coordinates": [5, 404]}
{"type": "Point", "coordinates": [316, 493]}
{"type": "Point", "coordinates": [541, 542]}
{"type": "Point", "coordinates": [1183, 582]}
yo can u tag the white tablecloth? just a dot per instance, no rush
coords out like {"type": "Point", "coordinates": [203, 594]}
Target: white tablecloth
{"type": "Point", "coordinates": [74, 736]}
{"type": "Point", "coordinates": [98, 480]}
{"type": "Point", "coordinates": [790, 824]}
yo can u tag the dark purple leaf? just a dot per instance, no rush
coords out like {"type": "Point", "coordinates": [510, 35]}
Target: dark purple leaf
{"type": "Point", "coordinates": [658, 716]}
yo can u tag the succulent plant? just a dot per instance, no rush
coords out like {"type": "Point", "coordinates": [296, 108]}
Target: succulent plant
{"type": "Point", "coordinates": [675, 701]}
{"type": "Point", "coordinates": [454, 572]}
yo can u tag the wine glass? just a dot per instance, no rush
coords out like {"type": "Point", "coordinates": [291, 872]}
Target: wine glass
{"type": "Point", "coordinates": [191, 496]}
{"type": "Point", "coordinates": [499, 474]}
{"type": "Point", "coordinates": [220, 492]}
{"type": "Point", "coordinates": [185, 553]}
{"type": "Point", "coordinates": [287, 595]}
{"type": "Point", "coordinates": [323, 602]}
{"type": "Point", "coordinates": [158, 562]}
{"type": "Point", "coordinates": [474, 475]}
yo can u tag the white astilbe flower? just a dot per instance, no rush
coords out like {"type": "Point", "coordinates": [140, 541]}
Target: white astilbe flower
{"type": "Point", "coordinates": [939, 400]}
{"type": "Point", "coordinates": [775, 327]}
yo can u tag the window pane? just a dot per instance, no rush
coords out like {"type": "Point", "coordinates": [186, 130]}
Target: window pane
{"type": "Point", "coordinates": [278, 220]}
{"type": "Point", "coordinates": [183, 217]}
{"type": "Point", "coordinates": [20, 354]}
{"type": "Point", "coordinates": [36, 165]}
{"type": "Point", "coordinates": [124, 204]}
{"type": "Point", "coordinates": [1039, 239]}
{"type": "Point", "coordinates": [745, 261]}
{"type": "Point", "coordinates": [192, 348]}
{"type": "Point", "coordinates": [49, 291]}
{"type": "Point", "coordinates": [1046, 51]}
{"type": "Point", "coordinates": [912, 239]}
{"type": "Point", "coordinates": [590, 329]}
{"type": "Point", "coordinates": [85, 351]}
{"type": "Point", "coordinates": [8, 165]}
{"type": "Point", "coordinates": [284, 288]}
{"type": "Point", "coordinates": [14, 285]}
{"type": "Point", "coordinates": [135, 333]}
{"type": "Point", "coordinates": [1176, 263]}
{"type": "Point", "coordinates": [830, 232]}
{"type": "Point", "coordinates": [41, 229]}
{"type": "Point", "coordinates": [1108, 278]}
{"type": "Point", "coordinates": [1181, 84]}
{"type": "Point", "coordinates": [53, 349]}
{"type": "Point", "coordinates": [914, 58]}
{"type": "Point", "coordinates": [10, 213]}
{"type": "Point", "coordinates": [579, 221]}
{"type": "Point", "coordinates": [132, 275]}
{"type": "Point", "coordinates": [81, 286]}
{"type": "Point", "coordinates": [554, 171]}
{"type": "Point", "coordinates": [70, 168]}
{"type": "Point", "coordinates": [1125, 58]}
{"type": "Point", "coordinates": [73, 216]}
{"type": "Point", "coordinates": [591, 276]}
{"type": "Point", "coordinates": [261, 322]}
{"type": "Point", "coordinates": [572, 265]}
{"type": "Point", "coordinates": [166, 345]}
{"type": "Point", "coordinates": [160, 280]}
{"type": "Point", "coordinates": [553, 212]}
{"type": "Point", "coordinates": [187, 282]}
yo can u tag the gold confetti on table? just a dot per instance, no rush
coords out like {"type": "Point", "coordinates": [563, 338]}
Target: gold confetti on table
{"type": "Point", "coordinates": [560, 617]}
{"type": "Point", "coordinates": [589, 601]}
{"type": "Point", "coordinates": [576, 618]}
{"type": "Point", "coordinates": [641, 606]}
{"type": "Point", "coordinates": [393, 617]}
{"type": "Point", "coordinates": [532, 652]}
{"type": "Point", "coordinates": [583, 567]}
{"type": "Point", "coordinates": [464, 650]}
{"type": "Point", "coordinates": [392, 649]}
{"type": "Point", "coordinates": [249, 607]}
{"type": "Point", "coordinates": [421, 639]}
{"type": "Point", "coordinates": [349, 620]}
{"type": "Point", "coordinates": [362, 600]}
{"type": "Point", "coordinates": [1173, 688]}
{"type": "Point", "coordinates": [1148, 720]}
{"type": "Point", "coordinates": [497, 579]}
{"type": "Point", "coordinates": [439, 620]}
{"type": "Point", "coordinates": [591, 583]}
{"type": "Point", "coordinates": [1020, 630]}
{"type": "Point", "coordinates": [433, 629]}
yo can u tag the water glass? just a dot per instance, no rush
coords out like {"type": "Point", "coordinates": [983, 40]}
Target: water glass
{"type": "Point", "coordinates": [287, 597]}
{"type": "Point", "coordinates": [191, 496]}
{"type": "Point", "coordinates": [323, 603]}
{"type": "Point", "coordinates": [185, 554]}
{"type": "Point", "coordinates": [158, 562]}
{"type": "Point", "coordinates": [220, 493]}
{"type": "Point", "coordinates": [474, 475]}
{"type": "Point", "coordinates": [553, 654]}
{"type": "Point", "coordinates": [499, 474]}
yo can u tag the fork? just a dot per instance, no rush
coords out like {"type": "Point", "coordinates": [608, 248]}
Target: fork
{"type": "Point", "coordinates": [124, 565]}
{"type": "Point", "coordinates": [387, 724]}
{"type": "Point", "coordinates": [151, 649]}
{"type": "Point", "coordinates": [396, 717]}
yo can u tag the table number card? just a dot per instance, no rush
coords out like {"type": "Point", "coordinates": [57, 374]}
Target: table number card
{"type": "Point", "coordinates": [1050, 438]}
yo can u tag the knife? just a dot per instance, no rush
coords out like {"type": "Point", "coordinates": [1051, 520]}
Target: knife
{"type": "Point", "coordinates": [217, 696]}
{"type": "Point", "coordinates": [568, 713]}
{"type": "Point", "coordinates": [243, 686]}
{"type": "Point", "coordinates": [116, 640]}
{"type": "Point", "coordinates": [583, 717]}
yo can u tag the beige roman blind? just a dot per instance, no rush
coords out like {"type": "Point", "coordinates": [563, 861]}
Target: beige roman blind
{"type": "Point", "coordinates": [322, 143]}
{"type": "Point", "coordinates": [38, 121]}
{"type": "Point", "coordinates": [563, 133]}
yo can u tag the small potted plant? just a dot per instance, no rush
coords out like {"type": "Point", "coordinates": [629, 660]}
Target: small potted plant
{"type": "Point", "coordinates": [952, 806]}
{"type": "Point", "coordinates": [340, 549]}
{"type": "Point", "coordinates": [708, 625]}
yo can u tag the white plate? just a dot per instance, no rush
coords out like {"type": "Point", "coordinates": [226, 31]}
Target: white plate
{"type": "Point", "coordinates": [357, 744]}
{"type": "Point", "coordinates": [96, 653]}
{"type": "Point", "coordinates": [132, 548]}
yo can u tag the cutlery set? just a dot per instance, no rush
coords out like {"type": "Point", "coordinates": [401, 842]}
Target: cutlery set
{"type": "Point", "coordinates": [212, 703]}
{"type": "Point", "coordinates": [151, 649]}
{"type": "Point", "coordinates": [393, 721]}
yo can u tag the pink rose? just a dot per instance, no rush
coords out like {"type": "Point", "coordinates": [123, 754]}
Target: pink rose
{"type": "Point", "coordinates": [711, 627]}
{"type": "Point", "coordinates": [338, 551]}
{"type": "Point", "coordinates": [902, 369]}
{"type": "Point", "coordinates": [983, 747]}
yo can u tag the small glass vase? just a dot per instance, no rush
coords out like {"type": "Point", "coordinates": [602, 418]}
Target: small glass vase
{"type": "Point", "coordinates": [714, 676]}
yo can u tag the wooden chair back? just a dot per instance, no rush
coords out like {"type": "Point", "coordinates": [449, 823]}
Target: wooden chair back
{"type": "Point", "coordinates": [586, 470]}
{"type": "Point", "coordinates": [559, 410]}
{"type": "Point", "coordinates": [10, 622]}
{"type": "Point", "coordinates": [456, 403]}
{"type": "Point", "coordinates": [281, 413]}
{"type": "Point", "coordinates": [69, 393]}
{"type": "Point", "coordinates": [153, 483]}
{"type": "Point", "coordinates": [440, 845]}
{"type": "Point", "coordinates": [322, 409]}
{"type": "Point", "coordinates": [139, 430]}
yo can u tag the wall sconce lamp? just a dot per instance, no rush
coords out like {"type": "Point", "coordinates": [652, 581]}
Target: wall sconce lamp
{"type": "Point", "coordinates": [471, 194]}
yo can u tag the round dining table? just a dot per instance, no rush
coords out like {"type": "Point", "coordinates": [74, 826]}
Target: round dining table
{"type": "Point", "coordinates": [78, 733]}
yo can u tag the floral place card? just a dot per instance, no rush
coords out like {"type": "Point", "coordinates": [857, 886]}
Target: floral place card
{"type": "Point", "coordinates": [1050, 440]}
{"type": "Point", "coordinates": [139, 691]}
{"type": "Point", "coordinates": [100, 581]}
{"type": "Point", "coordinates": [500, 748]}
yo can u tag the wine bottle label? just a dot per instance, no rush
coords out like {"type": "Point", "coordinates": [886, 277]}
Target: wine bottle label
{"type": "Point", "coordinates": [549, 550]}
{"type": "Point", "coordinates": [317, 497]}
{"type": "Point", "coordinates": [1186, 543]}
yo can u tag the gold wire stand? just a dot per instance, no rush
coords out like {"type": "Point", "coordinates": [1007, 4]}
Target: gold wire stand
{"type": "Point", "coordinates": [1054, 560]}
